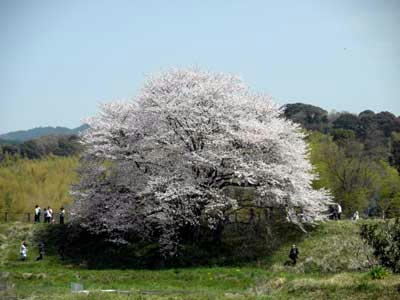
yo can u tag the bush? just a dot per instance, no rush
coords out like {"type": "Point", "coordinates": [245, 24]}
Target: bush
{"type": "Point", "coordinates": [385, 240]}
{"type": "Point", "coordinates": [378, 273]}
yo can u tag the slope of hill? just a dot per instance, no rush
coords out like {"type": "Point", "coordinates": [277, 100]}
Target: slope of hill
{"type": "Point", "coordinates": [25, 135]}
{"type": "Point", "coordinates": [335, 244]}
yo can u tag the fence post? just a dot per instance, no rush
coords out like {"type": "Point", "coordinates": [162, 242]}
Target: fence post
{"type": "Point", "coordinates": [29, 217]}
{"type": "Point", "coordinates": [5, 216]}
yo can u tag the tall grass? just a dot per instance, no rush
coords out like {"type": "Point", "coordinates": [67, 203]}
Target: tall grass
{"type": "Point", "coordinates": [25, 183]}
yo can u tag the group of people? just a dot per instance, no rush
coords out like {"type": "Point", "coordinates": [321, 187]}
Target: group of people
{"type": "Point", "coordinates": [24, 251]}
{"type": "Point", "coordinates": [48, 218]}
{"type": "Point", "coordinates": [335, 212]}
{"type": "Point", "coordinates": [48, 215]}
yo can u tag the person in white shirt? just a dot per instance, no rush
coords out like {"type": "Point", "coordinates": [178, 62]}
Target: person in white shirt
{"type": "Point", "coordinates": [37, 214]}
{"type": "Point", "coordinates": [50, 214]}
{"type": "Point", "coordinates": [23, 251]}
{"type": "Point", "coordinates": [356, 216]}
{"type": "Point", "coordinates": [339, 210]}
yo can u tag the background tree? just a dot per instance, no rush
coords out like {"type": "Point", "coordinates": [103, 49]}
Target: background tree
{"type": "Point", "coordinates": [309, 116]}
{"type": "Point", "coordinates": [388, 196]}
{"type": "Point", "coordinates": [395, 150]}
{"type": "Point", "coordinates": [345, 170]}
{"type": "Point", "coordinates": [162, 165]}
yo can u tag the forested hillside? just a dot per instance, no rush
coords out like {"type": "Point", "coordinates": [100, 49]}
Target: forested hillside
{"type": "Point", "coordinates": [58, 145]}
{"type": "Point", "coordinates": [357, 157]}
{"type": "Point", "coordinates": [25, 135]}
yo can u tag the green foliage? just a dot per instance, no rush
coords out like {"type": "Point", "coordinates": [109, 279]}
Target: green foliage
{"type": "Point", "coordinates": [385, 240]}
{"type": "Point", "coordinates": [343, 136]}
{"type": "Point", "coordinates": [395, 150]}
{"type": "Point", "coordinates": [25, 183]}
{"type": "Point", "coordinates": [378, 273]}
{"type": "Point", "coordinates": [388, 192]}
{"type": "Point", "coordinates": [356, 179]}
{"type": "Point", "coordinates": [344, 170]}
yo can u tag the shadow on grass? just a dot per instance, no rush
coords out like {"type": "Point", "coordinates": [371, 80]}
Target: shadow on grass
{"type": "Point", "coordinates": [238, 244]}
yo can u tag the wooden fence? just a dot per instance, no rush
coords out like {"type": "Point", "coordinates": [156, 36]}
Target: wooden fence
{"type": "Point", "coordinates": [244, 215]}
{"type": "Point", "coordinates": [26, 217]}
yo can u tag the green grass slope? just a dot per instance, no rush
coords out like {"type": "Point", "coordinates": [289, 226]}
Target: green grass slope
{"type": "Point", "coordinates": [333, 264]}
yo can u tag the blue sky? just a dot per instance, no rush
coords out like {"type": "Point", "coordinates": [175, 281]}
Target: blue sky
{"type": "Point", "coordinates": [58, 59]}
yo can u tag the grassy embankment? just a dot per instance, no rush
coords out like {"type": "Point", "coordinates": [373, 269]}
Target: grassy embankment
{"type": "Point", "coordinates": [333, 264]}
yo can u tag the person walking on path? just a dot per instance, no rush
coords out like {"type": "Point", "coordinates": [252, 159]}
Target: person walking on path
{"type": "Point", "coordinates": [37, 213]}
{"type": "Point", "coordinates": [294, 252]}
{"type": "Point", "coordinates": [23, 251]}
{"type": "Point", "coordinates": [339, 211]}
{"type": "Point", "coordinates": [62, 215]}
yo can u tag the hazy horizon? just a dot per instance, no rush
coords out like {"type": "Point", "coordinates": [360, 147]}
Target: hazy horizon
{"type": "Point", "coordinates": [59, 59]}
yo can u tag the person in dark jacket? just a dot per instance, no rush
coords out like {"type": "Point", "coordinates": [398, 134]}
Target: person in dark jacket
{"type": "Point", "coordinates": [41, 251]}
{"type": "Point", "coordinates": [294, 252]}
{"type": "Point", "coordinates": [46, 215]}
{"type": "Point", "coordinates": [62, 215]}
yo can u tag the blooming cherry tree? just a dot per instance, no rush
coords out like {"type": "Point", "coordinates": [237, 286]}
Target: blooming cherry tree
{"type": "Point", "coordinates": [164, 162]}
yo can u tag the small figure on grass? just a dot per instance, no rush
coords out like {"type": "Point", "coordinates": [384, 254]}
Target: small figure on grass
{"type": "Point", "coordinates": [294, 252]}
{"type": "Point", "coordinates": [41, 251]}
{"type": "Point", "coordinates": [24, 251]}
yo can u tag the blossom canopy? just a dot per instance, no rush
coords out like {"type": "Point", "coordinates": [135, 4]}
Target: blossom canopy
{"type": "Point", "coordinates": [165, 160]}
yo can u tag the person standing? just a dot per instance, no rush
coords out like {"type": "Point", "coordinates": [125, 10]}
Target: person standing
{"type": "Point", "coordinates": [45, 215]}
{"type": "Point", "coordinates": [294, 252]}
{"type": "Point", "coordinates": [41, 251]}
{"type": "Point", "coordinates": [339, 211]}
{"type": "Point", "coordinates": [37, 213]}
{"type": "Point", "coordinates": [331, 211]}
{"type": "Point", "coordinates": [356, 216]}
{"type": "Point", "coordinates": [62, 215]}
{"type": "Point", "coordinates": [24, 251]}
{"type": "Point", "coordinates": [50, 213]}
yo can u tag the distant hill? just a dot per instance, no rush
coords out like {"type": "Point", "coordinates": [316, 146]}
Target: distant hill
{"type": "Point", "coordinates": [25, 135]}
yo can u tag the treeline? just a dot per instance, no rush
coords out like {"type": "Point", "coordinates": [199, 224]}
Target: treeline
{"type": "Point", "coordinates": [379, 133]}
{"type": "Point", "coordinates": [58, 145]}
{"type": "Point", "coordinates": [357, 157]}
{"type": "Point", "coordinates": [25, 182]}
